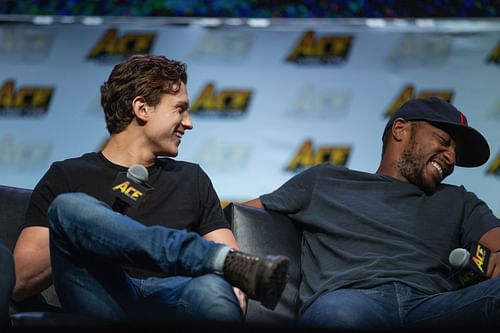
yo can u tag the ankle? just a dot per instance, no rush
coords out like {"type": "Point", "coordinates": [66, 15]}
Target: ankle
{"type": "Point", "coordinates": [220, 259]}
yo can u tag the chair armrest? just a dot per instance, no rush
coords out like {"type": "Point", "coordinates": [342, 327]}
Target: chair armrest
{"type": "Point", "coordinates": [264, 232]}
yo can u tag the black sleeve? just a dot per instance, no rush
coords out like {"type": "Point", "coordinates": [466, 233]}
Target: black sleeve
{"type": "Point", "coordinates": [50, 185]}
{"type": "Point", "coordinates": [211, 215]}
{"type": "Point", "coordinates": [478, 218]}
{"type": "Point", "coordinates": [295, 194]}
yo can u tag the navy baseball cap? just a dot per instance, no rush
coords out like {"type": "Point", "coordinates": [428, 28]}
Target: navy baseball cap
{"type": "Point", "coordinates": [472, 147]}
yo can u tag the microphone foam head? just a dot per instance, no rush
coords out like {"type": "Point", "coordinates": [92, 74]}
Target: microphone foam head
{"type": "Point", "coordinates": [459, 257]}
{"type": "Point", "coordinates": [138, 172]}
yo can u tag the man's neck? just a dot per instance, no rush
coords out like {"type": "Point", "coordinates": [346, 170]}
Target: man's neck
{"type": "Point", "coordinates": [125, 151]}
{"type": "Point", "coordinates": [386, 169]}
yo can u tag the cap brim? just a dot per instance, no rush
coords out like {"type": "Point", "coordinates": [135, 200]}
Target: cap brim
{"type": "Point", "coordinates": [472, 148]}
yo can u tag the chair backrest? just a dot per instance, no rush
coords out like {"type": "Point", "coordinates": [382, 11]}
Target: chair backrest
{"type": "Point", "coordinates": [262, 232]}
{"type": "Point", "coordinates": [13, 204]}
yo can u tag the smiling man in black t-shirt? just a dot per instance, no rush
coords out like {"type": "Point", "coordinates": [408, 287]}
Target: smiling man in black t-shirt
{"type": "Point", "coordinates": [173, 254]}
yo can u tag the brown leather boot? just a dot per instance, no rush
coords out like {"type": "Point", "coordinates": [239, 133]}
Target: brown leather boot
{"type": "Point", "coordinates": [261, 278]}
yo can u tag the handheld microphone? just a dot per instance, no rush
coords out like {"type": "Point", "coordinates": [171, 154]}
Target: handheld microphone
{"type": "Point", "coordinates": [130, 188]}
{"type": "Point", "coordinates": [471, 268]}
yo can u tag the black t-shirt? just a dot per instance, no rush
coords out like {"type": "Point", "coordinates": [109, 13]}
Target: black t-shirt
{"type": "Point", "coordinates": [183, 196]}
{"type": "Point", "coordinates": [362, 229]}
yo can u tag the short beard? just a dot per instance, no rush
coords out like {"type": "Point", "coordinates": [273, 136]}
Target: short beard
{"type": "Point", "coordinates": [409, 165]}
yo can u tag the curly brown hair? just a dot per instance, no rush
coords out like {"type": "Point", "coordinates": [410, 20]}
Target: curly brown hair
{"type": "Point", "coordinates": [148, 76]}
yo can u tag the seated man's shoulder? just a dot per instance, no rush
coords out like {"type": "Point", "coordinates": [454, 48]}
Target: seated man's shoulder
{"type": "Point", "coordinates": [88, 159]}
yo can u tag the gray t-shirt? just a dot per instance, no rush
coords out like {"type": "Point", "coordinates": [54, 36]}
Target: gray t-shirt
{"type": "Point", "coordinates": [361, 230]}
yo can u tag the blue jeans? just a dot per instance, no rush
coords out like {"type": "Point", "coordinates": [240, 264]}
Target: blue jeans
{"type": "Point", "coordinates": [90, 244]}
{"type": "Point", "coordinates": [396, 305]}
{"type": "Point", "coordinates": [7, 280]}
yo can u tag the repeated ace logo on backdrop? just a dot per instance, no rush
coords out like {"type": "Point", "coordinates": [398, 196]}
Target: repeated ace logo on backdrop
{"type": "Point", "coordinates": [307, 156]}
{"type": "Point", "coordinates": [114, 48]}
{"type": "Point", "coordinates": [408, 92]}
{"type": "Point", "coordinates": [494, 56]}
{"type": "Point", "coordinates": [27, 101]}
{"type": "Point", "coordinates": [222, 46]}
{"type": "Point", "coordinates": [226, 102]}
{"type": "Point", "coordinates": [30, 101]}
{"type": "Point", "coordinates": [23, 154]}
{"type": "Point", "coordinates": [494, 168]}
{"type": "Point", "coordinates": [326, 50]}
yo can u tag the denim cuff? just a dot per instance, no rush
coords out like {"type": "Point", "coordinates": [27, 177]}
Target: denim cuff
{"type": "Point", "coordinates": [219, 258]}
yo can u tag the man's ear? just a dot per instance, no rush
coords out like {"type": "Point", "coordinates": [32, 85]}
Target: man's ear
{"type": "Point", "coordinates": [399, 129]}
{"type": "Point", "coordinates": [140, 108]}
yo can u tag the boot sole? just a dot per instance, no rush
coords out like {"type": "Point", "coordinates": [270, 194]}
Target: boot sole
{"type": "Point", "coordinates": [275, 278]}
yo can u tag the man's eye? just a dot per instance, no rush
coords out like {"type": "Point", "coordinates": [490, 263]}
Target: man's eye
{"type": "Point", "coordinates": [444, 141]}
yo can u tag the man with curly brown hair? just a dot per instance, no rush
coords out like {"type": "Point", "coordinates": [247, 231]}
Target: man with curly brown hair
{"type": "Point", "coordinates": [173, 255]}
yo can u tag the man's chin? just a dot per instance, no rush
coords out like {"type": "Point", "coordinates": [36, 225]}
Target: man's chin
{"type": "Point", "coordinates": [169, 153]}
{"type": "Point", "coordinates": [429, 191]}
{"type": "Point", "coordinates": [427, 188]}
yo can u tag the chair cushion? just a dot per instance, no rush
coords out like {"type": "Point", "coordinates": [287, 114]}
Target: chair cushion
{"type": "Point", "coordinates": [263, 232]}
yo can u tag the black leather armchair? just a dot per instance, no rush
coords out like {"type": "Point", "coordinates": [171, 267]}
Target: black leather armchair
{"type": "Point", "coordinates": [257, 231]}
{"type": "Point", "coordinates": [44, 307]}
{"type": "Point", "coordinates": [263, 232]}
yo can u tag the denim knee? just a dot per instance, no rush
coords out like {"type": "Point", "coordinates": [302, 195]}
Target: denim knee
{"type": "Point", "coordinates": [348, 310]}
{"type": "Point", "coordinates": [210, 297]}
{"type": "Point", "coordinates": [339, 317]}
{"type": "Point", "coordinates": [67, 206]}
{"type": "Point", "coordinates": [60, 205]}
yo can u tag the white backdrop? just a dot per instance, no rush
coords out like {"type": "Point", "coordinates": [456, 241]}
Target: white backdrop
{"type": "Point", "coordinates": [246, 148]}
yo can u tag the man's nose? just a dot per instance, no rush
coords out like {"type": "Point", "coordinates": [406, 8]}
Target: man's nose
{"type": "Point", "coordinates": [187, 123]}
{"type": "Point", "coordinates": [451, 155]}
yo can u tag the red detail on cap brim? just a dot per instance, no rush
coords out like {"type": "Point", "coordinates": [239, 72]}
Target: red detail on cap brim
{"type": "Point", "coordinates": [463, 120]}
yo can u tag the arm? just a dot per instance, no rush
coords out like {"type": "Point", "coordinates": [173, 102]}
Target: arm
{"type": "Point", "coordinates": [224, 236]}
{"type": "Point", "coordinates": [254, 203]}
{"type": "Point", "coordinates": [491, 240]}
{"type": "Point", "coordinates": [293, 195]}
{"type": "Point", "coordinates": [32, 262]}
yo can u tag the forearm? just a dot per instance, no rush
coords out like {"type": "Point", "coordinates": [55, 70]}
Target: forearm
{"type": "Point", "coordinates": [491, 240]}
{"type": "Point", "coordinates": [31, 278]}
{"type": "Point", "coordinates": [31, 262]}
{"type": "Point", "coordinates": [223, 236]}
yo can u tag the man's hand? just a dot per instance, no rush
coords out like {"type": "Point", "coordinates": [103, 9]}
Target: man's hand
{"type": "Point", "coordinates": [491, 239]}
{"type": "Point", "coordinates": [494, 265]}
{"type": "Point", "coordinates": [242, 299]}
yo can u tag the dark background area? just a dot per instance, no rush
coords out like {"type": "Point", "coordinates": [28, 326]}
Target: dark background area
{"type": "Point", "coordinates": [257, 8]}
